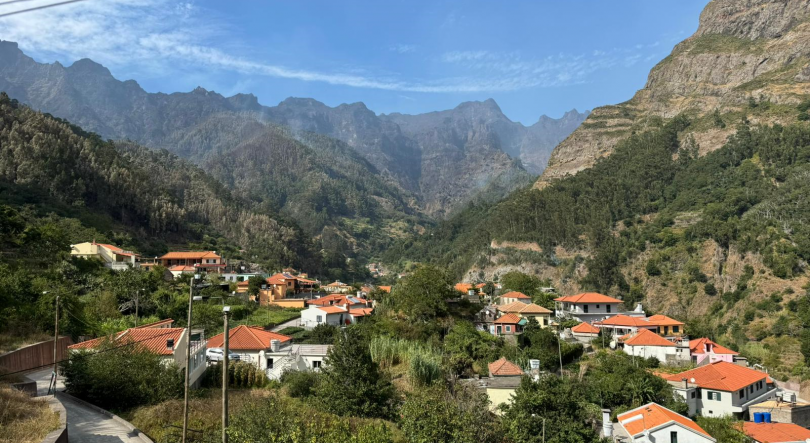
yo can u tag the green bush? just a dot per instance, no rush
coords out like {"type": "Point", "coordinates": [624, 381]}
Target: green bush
{"type": "Point", "coordinates": [300, 384]}
{"type": "Point", "coordinates": [240, 375]}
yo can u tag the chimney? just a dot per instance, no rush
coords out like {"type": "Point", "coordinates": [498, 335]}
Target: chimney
{"type": "Point", "coordinates": [607, 425]}
{"type": "Point", "coordinates": [685, 383]}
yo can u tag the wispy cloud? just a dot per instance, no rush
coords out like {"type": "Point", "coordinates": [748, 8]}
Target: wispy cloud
{"type": "Point", "coordinates": [159, 35]}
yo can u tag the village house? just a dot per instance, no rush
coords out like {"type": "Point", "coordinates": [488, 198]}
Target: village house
{"type": "Point", "coordinates": [507, 324]}
{"type": "Point", "coordinates": [335, 310]}
{"type": "Point", "coordinates": [528, 311]}
{"type": "Point", "coordinates": [283, 285]}
{"type": "Point", "coordinates": [271, 352]}
{"type": "Point", "coordinates": [653, 423]}
{"type": "Point", "coordinates": [237, 277]}
{"type": "Point", "coordinates": [207, 261]}
{"type": "Point", "coordinates": [584, 332]}
{"type": "Point", "coordinates": [587, 307]}
{"type": "Point", "coordinates": [620, 325]}
{"type": "Point", "coordinates": [704, 351]}
{"type": "Point", "coordinates": [162, 339]}
{"type": "Point", "coordinates": [666, 327]}
{"type": "Point", "coordinates": [112, 256]}
{"type": "Point", "coordinates": [337, 287]}
{"type": "Point", "coordinates": [646, 343]}
{"type": "Point", "coordinates": [504, 379]}
{"type": "Point", "coordinates": [775, 432]}
{"type": "Point", "coordinates": [721, 389]}
{"type": "Point", "coordinates": [514, 296]}
{"type": "Point", "coordinates": [485, 318]}
{"type": "Point", "coordinates": [179, 270]}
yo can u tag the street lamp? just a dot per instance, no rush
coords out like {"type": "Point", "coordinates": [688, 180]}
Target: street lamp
{"type": "Point", "coordinates": [188, 353]}
{"type": "Point", "coordinates": [226, 335]}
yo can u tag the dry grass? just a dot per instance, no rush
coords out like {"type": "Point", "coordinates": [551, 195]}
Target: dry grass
{"type": "Point", "coordinates": [24, 419]}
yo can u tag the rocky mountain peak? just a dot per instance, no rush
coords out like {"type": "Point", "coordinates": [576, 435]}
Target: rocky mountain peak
{"type": "Point", "coordinates": [86, 66]}
{"type": "Point", "coordinates": [752, 19]}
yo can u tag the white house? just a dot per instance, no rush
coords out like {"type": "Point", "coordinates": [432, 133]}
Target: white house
{"type": "Point", "coordinates": [646, 343]}
{"type": "Point", "coordinates": [621, 324]}
{"type": "Point", "coordinates": [319, 315]}
{"type": "Point", "coordinates": [159, 337]}
{"type": "Point", "coordinates": [587, 307]}
{"type": "Point", "coordinates": [721, 389]}
{"type": "Point", "coordinates": [515, 296]}
{"type": "Point", "coordinates": [584, 332]}
{"type": "Point", "coordinates": [653, 423]}
{"type": "Point", "coordinates": [112, 256]}
{"type": "Point", "coordinates": [271, 352]}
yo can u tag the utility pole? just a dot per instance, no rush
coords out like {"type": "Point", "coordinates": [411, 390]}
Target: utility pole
{"type": "Point", "coordinates": [559, 350]}
{"type": "Point", "coordinates": [55, 343]}
{"type": "Point", "coordinates": [226, 334]}
{"type": "Point", "coordinates": [137, 299]}
{"type": "Point", "coordinates": [188, 355]}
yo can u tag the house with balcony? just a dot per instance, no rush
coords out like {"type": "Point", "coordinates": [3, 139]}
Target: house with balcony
{"type": "Point", "coordinates": [163, 339]}
{"type": "Point", "coordinates": [621, 325]}
{"type": "Point", "coordinates": [653, 423]}
{"type": "Point", "coordinates": [722, 389]}
{"type": "Point", "coordinates": [207, 261]}
{"type": "Point", "coordinates": [528, 311]}
{"type": "Point", "coordinates": [271, 352]}
{"type": "Point", "coordinates": [588, 307]}
{"type": "Point", "coordinates": [338, 287]}
{"type": "Point", "coordinates": [112, 256]}
{"type": "Point", "coordinates": [666, 326]}
{"type": "Point", "coordinates": [704, 351]}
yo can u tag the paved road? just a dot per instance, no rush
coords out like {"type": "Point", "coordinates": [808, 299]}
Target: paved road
{"type": "Point", "coordinates": [296, 322]}
{"type": "Point", "coordinates": [84, 424]}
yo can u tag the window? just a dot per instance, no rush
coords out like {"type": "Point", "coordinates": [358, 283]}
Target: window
{"type": "Point", "coordinates": [597, 306]}
{"type": "Point", "coordinates": [676, 329]}
{"type": "Point", "coordinates": [714, 395]}
{"type": "Point", "coordinates": [699, 393]}
{"type": "Point", "coordinates": [545, 322]}
{"type": "Point", "coordinates": [319, 318]}
{"type": "Point", "coordinates": [750, 389]}
{"type": "Point", "coordinates": [508, 329]}
{"type": "Point", "coordinates": [269, 363]}
{"type": "Point", "coordinates": [316, 364]}
{"type": "Point", "coordinates": [742, 393]}
{"type": "Point", "coordinates": [608, 307]}
{"type": "Point", "coordinates": [673, 437]}
{"type": "Point", "coordinates": [693, 394]}
{"type": "Point", "coordinates": [585, 308]}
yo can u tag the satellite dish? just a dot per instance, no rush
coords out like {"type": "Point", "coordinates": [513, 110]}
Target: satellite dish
{"type": "Point", "coordinates": [692, 380]}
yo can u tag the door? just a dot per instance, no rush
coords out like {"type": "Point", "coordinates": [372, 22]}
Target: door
{"type": "Point", "coordinates": [498, 329]}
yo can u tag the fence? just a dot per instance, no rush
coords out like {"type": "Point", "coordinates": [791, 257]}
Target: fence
{"type": "Point", "coordinates": [35, 356]}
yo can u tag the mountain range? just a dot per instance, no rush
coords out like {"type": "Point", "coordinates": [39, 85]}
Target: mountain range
{"type": "Point", "coordinates": [440, 159]}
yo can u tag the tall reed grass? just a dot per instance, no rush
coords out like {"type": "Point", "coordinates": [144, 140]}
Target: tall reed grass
{"type": "Point", "coordinates": [424, 362]}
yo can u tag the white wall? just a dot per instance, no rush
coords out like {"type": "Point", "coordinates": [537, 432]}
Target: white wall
{"type": "Point", "coordinates": [664, 354]}
{"type": "Point", "coordinates": [685, 435]}
{"type": "Point", "coordinates": [309, 317]}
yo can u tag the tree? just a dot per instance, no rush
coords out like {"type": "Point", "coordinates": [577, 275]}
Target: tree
{"type": "Point", "coordinates": [520, 282]}
{"type": "Point", "coordinates": [424, 293]}
{"type": "Point", "coordinates": [542, 344]}
{"type": "Point", "coordinates": [352, 383]}
{"type": "Point", "coordinates": [255, 284]}
{"type": "Point", "coordinates": [465, 346]}
{"type": "Point", "coordinates": [435, 415]}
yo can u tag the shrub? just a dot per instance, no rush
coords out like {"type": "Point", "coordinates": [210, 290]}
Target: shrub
{"type": "Point", "coordinates": [710, 289]}
{"type": "Point", "coordinates": [240, 375]}
{"type": "Point", "coordinates": [300, 383]}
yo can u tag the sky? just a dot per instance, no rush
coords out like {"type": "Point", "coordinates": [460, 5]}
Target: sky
{"type": "Point", "coordinates": [533, 57]}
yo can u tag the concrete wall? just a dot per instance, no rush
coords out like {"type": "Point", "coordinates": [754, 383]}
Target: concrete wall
{"type": "Point", "coordinates": [60, 434]}
{"type": "Point", "coordinates": [667, 355]}
{"type": "Point", "coordinates": [799, 415]}
{"type": "Point", "coordinates": [499, 396]}
{"type": "Point", "coordinates": [198, 364]}
{"type": "Point", "coordinates": [685, 435]}
{"type": "Point", "coordinates": [309, 317]}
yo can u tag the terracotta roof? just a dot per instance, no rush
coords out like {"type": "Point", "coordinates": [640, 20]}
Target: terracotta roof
{"type": "Point", "coordinates": [625, 320]}
{"type": "Point", "coordinates": [337, 284]}
{"type": "Point", "coordinates": [645, 337]}
{"type": "Point", "coordinates": [663, 320]}
{"type": "Point", "coordinates": [332, 309]}
{"type": "Point", "coordinates": [655, 416]}
{"type": "Point", "coordinates": [337, 300]}
{"type": "Point", "coordinates": [480, 285]}
{"type": "Point", "coordinates": [532, 308]}
{"type": "Point", "coordinates": [280, 278]}
{"type": "Point", "coordinates": [696, 347]}
{"type": "Point", "coordinates": [775, 432]}
{"type": "Point", "coordinates": [721, 375]}
{"type": "Point", "coordinates": [153, 339]}
{"type": "Point", "coordinates": [385, 288]}
{"type": "Point", "coordinates": [156, 324]}
{"type": "Point", "coordinates": [190, 254]}
{"type": "Point", "coordinates": [515, 294]}
{"type": "Point", "coordinates": [511, 319]}
{"type": "Point", "coordinates": [515, 306]}
{"type": "Point", "coordinates": [118, 250]}
{"type": "Point", "coordinates": [463, 287]}
{"type": "Point", "coordinates": [588, 297]}
{"type": "Point", "coordinates": [243, 283]}
{"type": "Point", "coordinates": [361, 312]}
{"type": "Point", "coordinates": [585, 328]}
{"type": "Point", "coordinates": [247, 338]}
{"type": "Point", "coordinates": [504, 367]}
{"type": "Point", "coordinates": [182, 268]}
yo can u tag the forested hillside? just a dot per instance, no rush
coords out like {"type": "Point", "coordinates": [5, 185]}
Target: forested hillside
{"type": "Point", "coordinates": [141, 199]}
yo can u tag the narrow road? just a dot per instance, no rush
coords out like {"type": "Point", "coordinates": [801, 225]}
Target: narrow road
{"type": "Point", "coordinates": [296, 322]}
{"type": "Point", "coordinates": [85, 425]}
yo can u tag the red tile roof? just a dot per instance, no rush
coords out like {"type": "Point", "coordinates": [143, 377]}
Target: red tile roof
{"type": "Point", "coordinates": [361, 312]}
{"type": "Point", "coordinates": [153, 339]}
{"type": "Point", "coordinates": [280, 279]}
{"type": "Point", "coordinates": [118, 250]}
{"type": "Point", "coordinates": [721, 375]}
{"type": "Point", "coordinates": [696, 346]}
{"type": "Point", "coordinates": [463, 287]}
{"type": "Point", "coordinates": [625, 320]}
{"type": "Point", "coordinates": [645, 337]}
{"type": "Point", "coordinates": [332, 309]}
{"type": "Point", "coordinates": [775, 432]}
{"type": "Point", "coordinates": [588, 297]}
{"type": "Point", "coordinates": [182, 268]}
{"type": "Point", "coordinates": [515, 306]}
{"type": "Point", "coordinates": [585, 328]}
{"type": "Point", "coordinates": [663, 320]}
{"type": "Point", "coordinates": [532, 308]}
{"type": "Point", "coordinates": [654, 416]}
{"type": "Point", "coordinates": [510, 319]}
{"type": "Point", "coordinates": [516, 294]}
{"type": "Point", "coordinates": [385, 288]}
{"type": "Point", "coordinates": [190, 255]}
{"type": "Point", "coordinates": [504, 367]}
{"type": "Point", "coordinates": [247, 338]}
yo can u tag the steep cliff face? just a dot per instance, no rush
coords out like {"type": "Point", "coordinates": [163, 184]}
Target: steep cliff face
{"type": "Point", "coordinates": [743, 49]}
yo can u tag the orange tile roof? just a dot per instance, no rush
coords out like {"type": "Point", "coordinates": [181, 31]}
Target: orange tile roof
{"type": "Point", "coordinates": [480, 285]}
{"type": "Point", "coordinates": [247, 338]}
{"type": "Point", "coordinates": [655, 416]}
{"type": "Point", "coordinates": [585, 328]}
{"type": "Point", "coordinates": [504, 367]}
{"type": "Point", "coordinates": [775, 432]}
{"type": "Point", "coordinates": [515, 306]}
{"type": "Point", "coordinates": [510, 319]}
{"type": "Point", "coordinates": [243, 283]}
{"type": "Point", "coordinates": [721, 375]}
{"type": "Point", "coordinates": [361, 312]}
{"type": "Point", "coordinates": [696, 347]}
{"type": "Point", "coordinates": [532, 308]}
{"type": "Point", "coordinates": [118, 250]}
{"type": "Point", "coordinates": [515, 294]}
{"type": "Point", "coordinates": [190, 254]}
{"type": "Point", "coordinates": [153, 339]}
{"type": "Point", "coordinates": [463, 287]}
{"type": "Point", "coordinates": [663, 320]}
{"type": "Point", "coordinates": [337, 284]}
{"type": "Point", "coordinates": [588, 297]}
{"type": "Point", "coordinates": [625, 320]}
{"type": "Point", "coordinates": [645, 337]}
{"type": "Point", "coordinates": [332, 309]}
{"type": "Point", "coordinates": [385, 288]}
{"type": "Point", "coordinates": [182, 268]}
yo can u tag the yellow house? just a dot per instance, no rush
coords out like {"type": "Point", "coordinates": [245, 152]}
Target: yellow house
{"type": "Point", "coordinates": [112, 256]}
{"type": "Point", "coordinates": [528, 311]}
{"type": "Point", "coordinates": [504, 379]}
{"type": "Point", "coordinates": [666, 326]}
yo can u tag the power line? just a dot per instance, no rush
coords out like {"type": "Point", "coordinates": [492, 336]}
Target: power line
{"type": "Point", "coordinates": [35, 8]}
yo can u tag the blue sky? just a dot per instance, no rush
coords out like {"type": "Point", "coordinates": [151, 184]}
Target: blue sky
{"type": "Point", "coordinates": [533, 58]}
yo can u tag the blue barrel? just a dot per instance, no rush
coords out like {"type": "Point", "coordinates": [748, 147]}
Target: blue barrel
{"type": "Point", "coordinates": [758, 417]}
{"type": "Point", "coordinates": [767, 417]}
